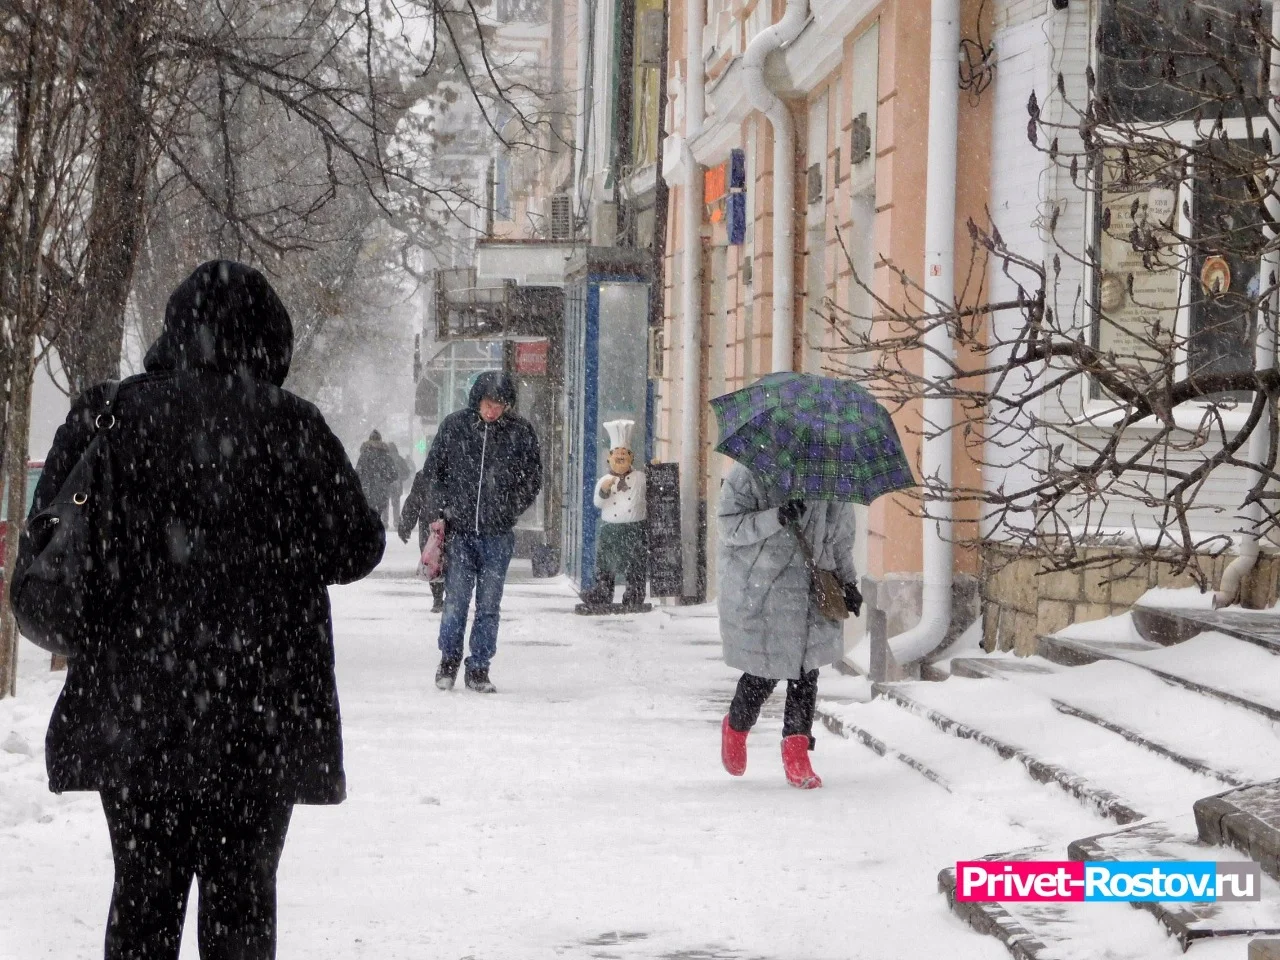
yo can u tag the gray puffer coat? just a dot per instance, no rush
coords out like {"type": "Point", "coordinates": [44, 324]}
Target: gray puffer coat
{"type": "Point", "coordinates": [769, 623]}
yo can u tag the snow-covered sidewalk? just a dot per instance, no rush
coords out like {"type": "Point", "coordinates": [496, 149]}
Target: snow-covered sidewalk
{"type": "Point", "coordinates": [580, 813]}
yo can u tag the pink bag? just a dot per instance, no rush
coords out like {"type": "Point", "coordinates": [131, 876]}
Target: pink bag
{"type": "Point", "coordinates": [431, 564]}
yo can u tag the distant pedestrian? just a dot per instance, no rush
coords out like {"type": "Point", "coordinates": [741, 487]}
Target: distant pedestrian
{"type": "Point", "coordinates": [770, 623]}
{"type": "Point", "coordinates": [485, 470]}
{"type": "Point", "coordinates": [377, 473]}
{"type": "Point", "coordinates": [421, 509]}
{"type": "Point", "coordinates": [404, 470]}
{"type": "Point", "coordinates": [205, 706]}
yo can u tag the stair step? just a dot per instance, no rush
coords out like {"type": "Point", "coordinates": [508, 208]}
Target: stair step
{"type": "Point", "coordinates": [1074, 931]}
{"type": "Point", "coordinates": [1168, 626]}
{"type": "Point", "coordinates": [1177, 840]}
{"type": "Point", "coordinates": [961, 767]}
{"type": "Point", "coordinates": [1201, 733]}
{"type": "Point", "coordinates": [1087, 761]}
{"type": "Point", "coordinates": [1212, 664]}
{"type": "Point", "coordinates": [1247, 819]}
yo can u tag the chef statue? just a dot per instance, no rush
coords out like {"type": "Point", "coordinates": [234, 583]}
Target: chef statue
{"type": "Point", "coordinates": [621, 545]}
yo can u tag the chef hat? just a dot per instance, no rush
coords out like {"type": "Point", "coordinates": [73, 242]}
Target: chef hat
{"type": "Point", "coordinates": [619, 433]}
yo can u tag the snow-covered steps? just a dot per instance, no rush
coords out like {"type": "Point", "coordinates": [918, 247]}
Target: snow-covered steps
{"type": "Point", "coordinates": [1120, 779]}
{"type": "Point", "coordinates": [1247, 819]}
{"type": "Point", "coordinates": [1178, 840]}
{"type": "Point", "coordinates": [1168, 626]}
{"type": "Point", "coordinates": [1074, 931]}
{"type": "Point", "coordinates": [998, 788]}
{"type": "Point", "coordinates": [1204, 734]}
{"type": "Point", "coordinates": [1213, 664]}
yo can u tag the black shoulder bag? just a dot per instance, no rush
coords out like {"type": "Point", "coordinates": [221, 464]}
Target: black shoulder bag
{"type": "Point", "coordinates": [67, 573]}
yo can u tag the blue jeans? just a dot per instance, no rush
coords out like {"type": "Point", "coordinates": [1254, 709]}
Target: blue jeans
{"type": "Point", "coordinates": [474, 562]}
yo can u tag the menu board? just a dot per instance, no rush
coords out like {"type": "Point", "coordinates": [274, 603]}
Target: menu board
{"type": "Point", "coordinates": [662, 492]}
{"type": "Point", "coordinates": [1137, 292]}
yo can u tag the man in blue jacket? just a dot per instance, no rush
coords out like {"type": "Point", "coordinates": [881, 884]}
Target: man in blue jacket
{"type": "Point", "coordinates": [484, 471]}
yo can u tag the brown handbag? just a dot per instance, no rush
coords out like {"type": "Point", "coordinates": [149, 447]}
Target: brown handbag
{"type": "Point", "coordinates": [825, 586]}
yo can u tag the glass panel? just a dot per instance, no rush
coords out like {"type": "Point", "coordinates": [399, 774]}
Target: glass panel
{"type": "Point", "coordinates": [533, 402]}
{"type": "Point", "coordinates": [1228, 247]}
{"type": "Point", "coordinates": [1137, 283]}
{"type": "Point", "coordinates": [1163, 62]}
{"type": "Point", "coordinates": [574, 372]}
{"type": "Point", "coordinates": [623, 376]}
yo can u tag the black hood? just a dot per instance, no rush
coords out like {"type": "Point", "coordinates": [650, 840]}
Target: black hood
{"type": "Point", "coordinates": [225, 318]}
{"type": "Point", "coordinates": [494, 385]}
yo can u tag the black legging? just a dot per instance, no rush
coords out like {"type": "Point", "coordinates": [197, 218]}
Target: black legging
{"type": "Point", "coordinates": [231, 842]}
{"type": "Point", "coordinates": [753, 691]}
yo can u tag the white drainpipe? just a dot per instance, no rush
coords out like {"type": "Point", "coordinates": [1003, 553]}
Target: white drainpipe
{"type": "Point", "coordinates": [784, 174]}
{"type": "Point", "coordinates": [939, 285]}
{"type": "Point", "coordinates": [1264, 358]}
{"type": "Point", "coordinates": [691, 299]}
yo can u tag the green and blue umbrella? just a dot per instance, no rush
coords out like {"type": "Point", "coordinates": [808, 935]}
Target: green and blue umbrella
{"type": "Point", "coordinates": [813, 438]}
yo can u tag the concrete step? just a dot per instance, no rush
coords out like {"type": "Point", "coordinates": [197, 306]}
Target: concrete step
{"type": "Point", "coordinates": [1168, 626]}
{"type": "Point", "coordinates": [1075, 931]}
{"type": "Point", "coordinates": [1246, 819]}
{"type": "Point", "coordinates": [997, 789]}
{"type": "Point", "coordinates": [1178, 840]}
{"type": "Point", "coordinates": [1204, 734]}
{"type": "Point", "coordinates": [1123, 780]}
{"type": "Point", "coordinates": [1211, 664]}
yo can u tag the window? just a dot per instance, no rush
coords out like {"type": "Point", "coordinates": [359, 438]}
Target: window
{"type": "Point", "coordinates": [1178, 162]}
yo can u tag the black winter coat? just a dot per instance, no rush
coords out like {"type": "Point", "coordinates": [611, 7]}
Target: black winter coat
{"type": "Point", "coordinates": [238, 505]}
{"type": "Point", "coordinates": [483, 476]}
{"type": "Point", "coordinates": [378, 471]}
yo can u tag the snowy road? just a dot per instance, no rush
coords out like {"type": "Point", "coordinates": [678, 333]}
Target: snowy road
{"type": "Point", "coordinates": [580, 813]}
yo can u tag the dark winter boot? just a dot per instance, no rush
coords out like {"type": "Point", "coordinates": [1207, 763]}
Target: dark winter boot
{"type": "Point", "coordinates": [795, 761]}
{"type": "Point", "coordinates": [633, 596]}
{"type": "Point", "coordinates": [601, 594]}
{"type": "Point", "coordinates": [478, 680]}
{"type": "Point", "coordinates": [437, 596]}
{"type": "Point", "coordinates": [447, 673]}
{"type": "Point", "coordinates": [733, 748]}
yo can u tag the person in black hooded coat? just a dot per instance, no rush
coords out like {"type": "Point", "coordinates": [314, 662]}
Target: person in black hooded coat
{"type": "Point", "coordinates": [205, 706]}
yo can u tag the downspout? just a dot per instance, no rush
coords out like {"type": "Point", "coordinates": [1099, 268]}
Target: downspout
{"type": "Point", "coordinates": [939, 286]}
{"type": "Point", "coordinates": [784, 175]}
{"type": "Point", "coordinates": [691, 299]}
{"type": "Point", "coordinates": [1264, 356]}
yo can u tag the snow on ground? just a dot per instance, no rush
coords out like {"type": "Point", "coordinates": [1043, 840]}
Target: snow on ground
{"type": "Point", "coordinates": [580, 813]}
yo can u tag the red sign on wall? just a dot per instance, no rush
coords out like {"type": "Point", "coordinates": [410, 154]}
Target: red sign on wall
{"type": "Point", "coordinates": [531, 358]}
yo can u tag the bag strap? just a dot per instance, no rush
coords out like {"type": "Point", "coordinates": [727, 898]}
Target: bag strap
{"type": "Point", "coordinates": [805, 549]}
{"type": "Point", "coordinates": [106, 418]}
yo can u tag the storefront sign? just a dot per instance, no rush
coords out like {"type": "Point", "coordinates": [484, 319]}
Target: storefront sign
{"type": "Point", "coordinates": [1138, 288]}
{"type": "Point", "coordinates": [531, 358]}
{"type": "Point", "coordinates": [662, 494]}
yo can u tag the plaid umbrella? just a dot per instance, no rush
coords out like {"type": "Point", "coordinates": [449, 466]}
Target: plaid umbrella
{"type": "Point", "coordinates": [813, 438]}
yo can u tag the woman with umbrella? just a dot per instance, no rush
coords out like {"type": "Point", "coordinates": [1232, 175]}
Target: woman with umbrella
{"type": "Point", "coordinates": [807, 448]}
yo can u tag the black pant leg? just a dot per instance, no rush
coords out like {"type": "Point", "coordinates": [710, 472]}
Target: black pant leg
{"type": "Point", "coordinates": [748, 700]}
{"type": "Point", "coordinates": [154, 854]}
{"type": "Point", "coordinates": [240, 841]}
{"type": "Point", "coordinates": [437, 591]}
{"type": "Point", "coordinates": [802, 698]}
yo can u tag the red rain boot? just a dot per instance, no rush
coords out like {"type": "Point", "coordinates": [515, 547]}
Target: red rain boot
{"type": "Point", "coordinates": [795, 761]}
{"type": "Point", "coordinates": [733, 749]}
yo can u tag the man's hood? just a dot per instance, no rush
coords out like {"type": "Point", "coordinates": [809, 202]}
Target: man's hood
{"type": "Point", "coordinates": [225, 318]}
{"type": "Point", "coordinates": [495, 385]}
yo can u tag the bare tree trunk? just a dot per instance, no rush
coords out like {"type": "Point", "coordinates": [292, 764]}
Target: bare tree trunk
{"type": "Point", "coordinates": [15, 469]}
{"type": "Point", "coordinates": [116, 221]}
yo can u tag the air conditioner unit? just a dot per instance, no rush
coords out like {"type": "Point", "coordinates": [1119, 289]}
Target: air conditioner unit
{"type": "Point", "coordinates": [561, 225]}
